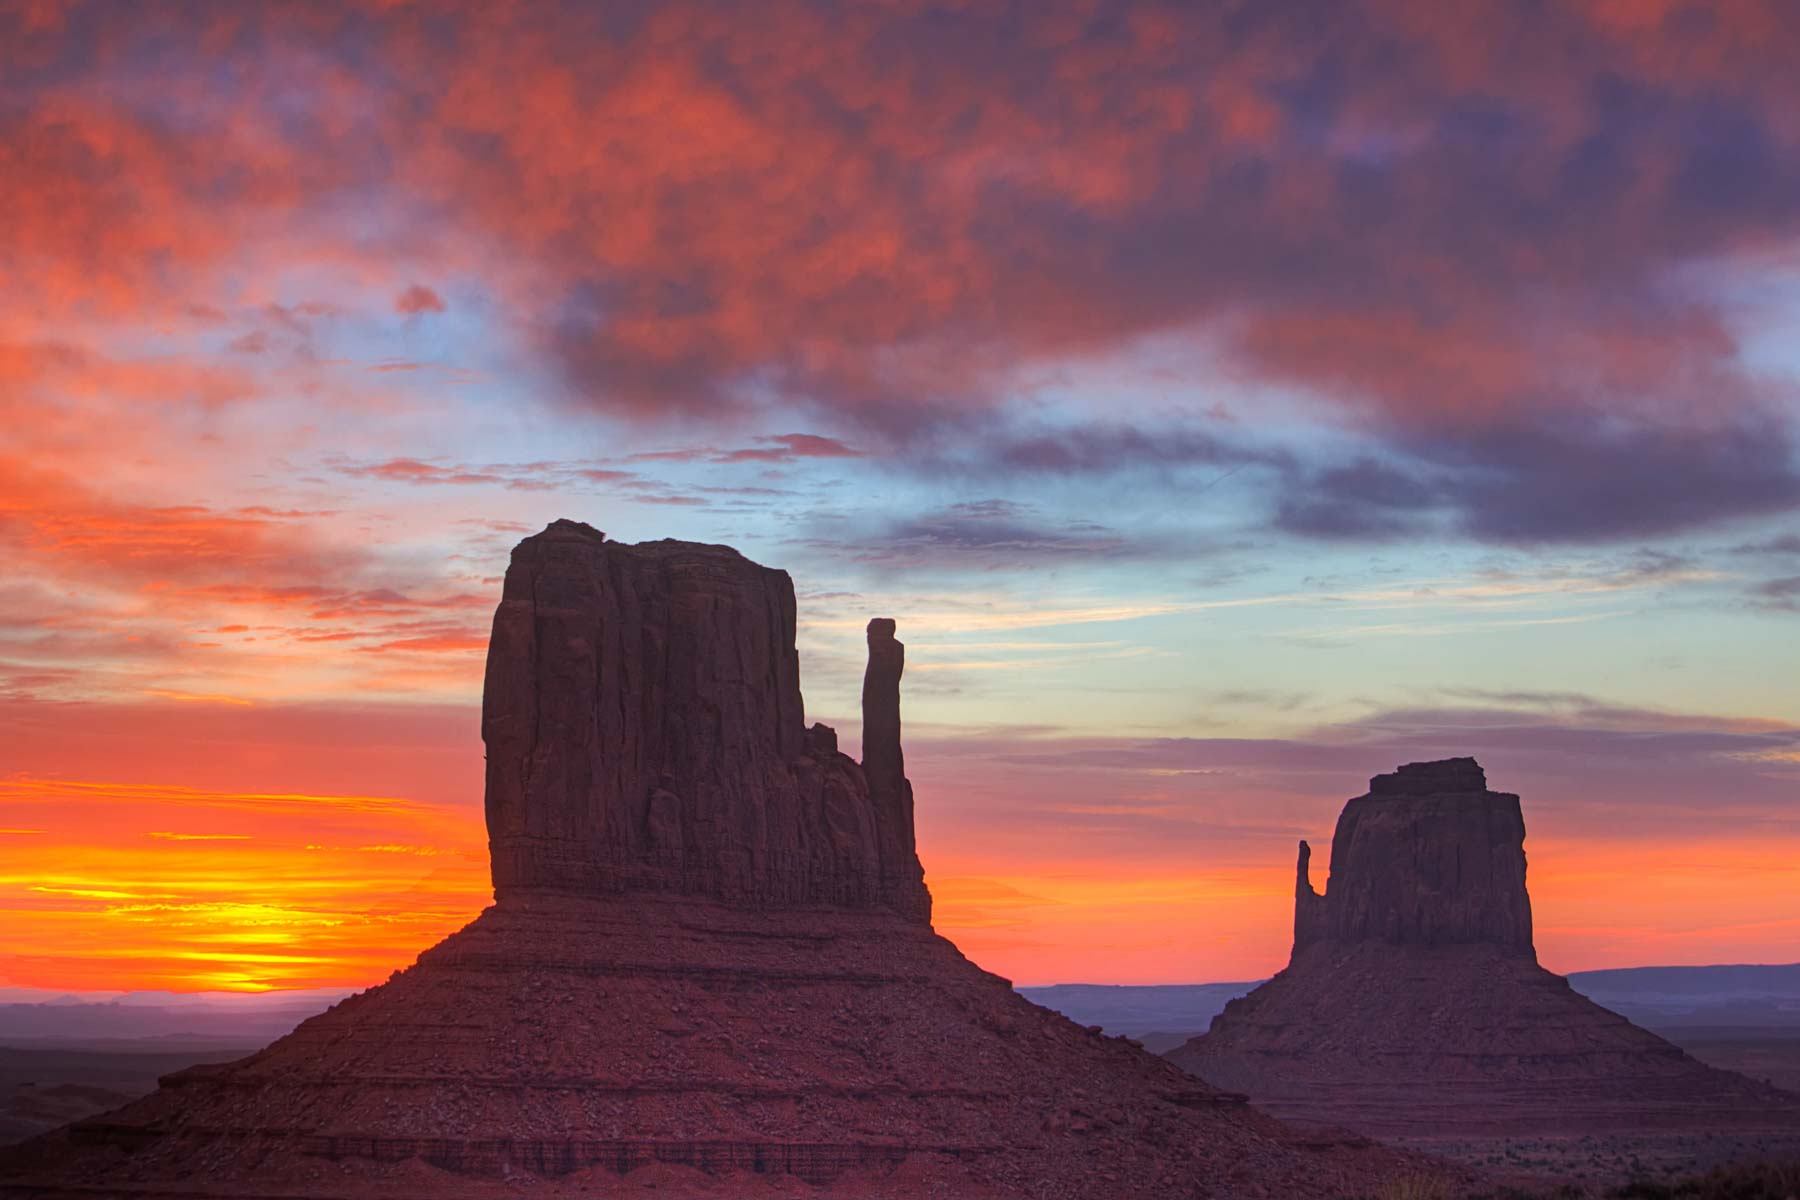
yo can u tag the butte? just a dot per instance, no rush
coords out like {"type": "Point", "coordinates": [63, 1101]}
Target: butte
{"type": "Point", "coordinates": [709, 966]}
{"type": "Point", "coordinates": [1413, 1007]}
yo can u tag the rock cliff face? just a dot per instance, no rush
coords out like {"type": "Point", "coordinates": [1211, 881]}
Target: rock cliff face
{"type": "Point", "coordinates": [645, 732]}
{"type": "Point", "coordinates": [1413, 1006]}
{"type": "Point", "coordinates": [1428, 857]}
{"type": "Point", "coordinates": [709, 966]}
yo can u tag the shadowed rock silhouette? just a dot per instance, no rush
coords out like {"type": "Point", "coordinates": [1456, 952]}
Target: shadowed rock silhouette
{"type": "Point", "coordinates": [709, 965]}
{"type": "Point", "coordinates": [644, 732]}
{"type": "Point", "coordinates": [1413, 1005]}
{"type": "Point", "coordinates": [1429, 857]}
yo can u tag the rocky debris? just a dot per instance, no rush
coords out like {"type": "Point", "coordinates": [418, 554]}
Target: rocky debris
{"type": "Point", "coordinates": [1413, 1006]}
{"type": "Point", "coordinates": [709, 967]}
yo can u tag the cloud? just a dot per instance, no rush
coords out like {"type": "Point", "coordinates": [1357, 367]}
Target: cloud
{"type": "Point", "coordinates": [411, 470]}
{"type": "Point", "coordinates": [1592, 482]}
{"type": "Point", "coordinates": [540, 476]}
{"type": "Point", "coordinates": [417, 299]}
{"type": "Point", "coordinates": [994, 533]}
{"type": "Point", "coordinates": [1580, 761]}
{"type": "Point", "coordinates": [789, 446]}
{"type": "Point", "coordinates": [1573, 480]}
{"type": "Point", "coordinates": [635, 486]}
{"type": "Point", "coordinates": [1780, 595]}
{"type": "Point", "coordinates": [1102, 448]}
{"type": "Point", "coordinates": [211, 604]}
{"type": "Point", "coordinates": [781, 448]}
{"type": "Point", "coordinates": [1364, 500]}
{"type": "Point", "coordinates": [63, 526]}
{"type": "Point", "coordinates": [1784, 544]}
{"type": "Point", "coordinates": [987, 535]}
{"type": "Point", "coordinates": [429, 638]}
{"type": "Point", "coordinates": [1494, 246]}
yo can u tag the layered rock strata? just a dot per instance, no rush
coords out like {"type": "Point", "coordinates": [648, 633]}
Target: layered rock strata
{"type": "Point", "coordinates": [709, 966]}
{"type": "Point", "coordinates": [1413, 1005]}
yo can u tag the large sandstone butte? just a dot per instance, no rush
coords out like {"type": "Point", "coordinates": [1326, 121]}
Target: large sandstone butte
{"type": "Point", "coordinates": [709, 966]}
{"type": "Point", "coordinates": [1413, 1006]}
{"type": "Point", "coordinates": [644, 732]}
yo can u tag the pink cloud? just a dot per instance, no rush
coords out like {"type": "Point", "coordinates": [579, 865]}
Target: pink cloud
{"type": "Point", "coordinates": [418, 299]}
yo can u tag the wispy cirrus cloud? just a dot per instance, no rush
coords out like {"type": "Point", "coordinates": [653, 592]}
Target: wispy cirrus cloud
{"type": "Point", "coordinates": [779, 448]}
{"type": "Point", "coordinates": [1781, 594]}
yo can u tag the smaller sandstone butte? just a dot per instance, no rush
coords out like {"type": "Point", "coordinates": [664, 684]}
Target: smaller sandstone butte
{"type": "Point", "coordinates": [1429, 857]}
{"type": "Point", "coordinates": [1413, 1006]}
{"type": "Point", "coordinates": [709, 966]}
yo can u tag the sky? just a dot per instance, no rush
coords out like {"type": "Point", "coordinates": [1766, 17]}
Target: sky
{"type": "Point", "coordinates": [1230, 401]}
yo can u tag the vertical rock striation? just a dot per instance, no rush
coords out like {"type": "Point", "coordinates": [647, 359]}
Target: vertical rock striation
{"type": "Point", "coordinates": [1428, 856]}
{"type": "Point", "coordinates": [645, 732]}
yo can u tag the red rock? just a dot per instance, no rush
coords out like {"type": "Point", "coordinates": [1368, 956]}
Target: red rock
{"type": "Point", "coordinates": [1413, 1007]}
{"type": "Point", "coordinates": [884, 765]}
{"type": "Point", "coordinates": [644, 728]}
{"type": "Point", "coordinates": [1428, 857]}
{"type": "Point", "coordinates": [709, 965]}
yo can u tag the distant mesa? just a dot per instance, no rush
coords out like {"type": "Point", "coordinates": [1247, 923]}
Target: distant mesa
{"type": "Point", "coordinates": [1413, 1005]}
{"type": "Point", "coordinates": [709, 964]}
{"type": "Point", "coordinates": [1429, 857]}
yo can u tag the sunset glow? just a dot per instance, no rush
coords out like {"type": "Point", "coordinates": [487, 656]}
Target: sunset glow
{"type": "Point", "coordinates": [1228, 406]}
{"type": "Point", "coordinates": [254, 892]}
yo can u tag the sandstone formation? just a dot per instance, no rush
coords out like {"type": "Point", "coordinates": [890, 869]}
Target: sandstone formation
{"type": "Point", "coordinates": [1429, 857]}
{"type": "Point", "coordinates": [1413, 1006]}
{"type": "Point", "coordinates": [644, 732]}
{"type": "Point", "coordinates": [709, 966]}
